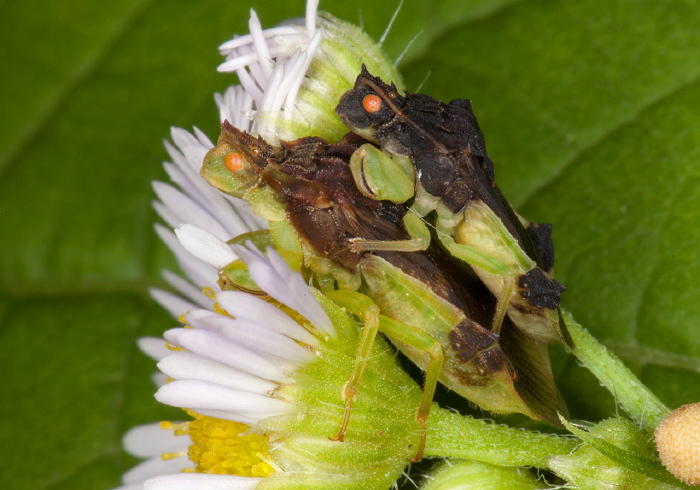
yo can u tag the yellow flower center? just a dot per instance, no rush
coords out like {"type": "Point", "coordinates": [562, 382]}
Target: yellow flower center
{"type": "Point", "coordinates": [219, 448]}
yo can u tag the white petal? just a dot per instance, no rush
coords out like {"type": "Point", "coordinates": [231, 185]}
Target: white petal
{"type": "Point", "coordinates": [233, 105]}
{"type": "Point", "coordinates": [198, 395]}
{"type": "Point", "coordinates": [185, 140]}
{"type": "Point", "coordinates": [200, 273]}
{"type": "Point", "coordinates": [205, 246]}
{"type": "Point", "coordinates": [255, 335]}
{"type": "Point", "coordinates": [189, 366]}
{"type": "Point", "coordinates": [150, 440]}
{"type": "Point", "coordinates": [188, 290]}
{"type": "Point", "coordinates": [158, 379]}
{"type": "Point", "coordinates": [202, 138]}
{"type": "Point", "coordinates": [243, 305]}
{"type": "Point", "coordinates": [311, 8]}
{"type": "Point", "coordinates": [182, 209]}
{"type": "Point", "coordinates": [296, 71]}
{"type": "Point", "coordinates": [242, 418]}
{"type": "Point", "coordinates": [195, 155]}
{"type": "Point", "coordinates": [190, 183]}
{"type": "Point", "coordinates": [136, 486]}
{"type": "Point", "coordinates": [250, 86]}
{"type": "Point", "coordinates": [189, 149]}
{"type": "Point", "coordinates": [275, 277]}
{"type": "Point", "coordinates": [238, 62]}
{"type": "Point", "coordinates": [201, 481]}
{"type": "Point", "coordinates": [176, 155]}
{"type": "Point", "coordinates": [217, 348]}
{"type": "Point", "coordinates": [153, 347]}
{"type": "Point", "coordinates": [168, 215]}
{"type": "Point", "coordinates": [269, 34]}
{"type": "Point", "coordinates": [274, 93]}
{"type": "Point", "coordinates": [153, 467]}
{"type": "Point", "coordinates": [175, 305]}
{"type": "Point", "coordinates": [261, 45]}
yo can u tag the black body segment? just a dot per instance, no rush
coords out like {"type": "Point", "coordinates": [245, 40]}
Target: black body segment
{"type": "Point", "coordinates": [448, 152]}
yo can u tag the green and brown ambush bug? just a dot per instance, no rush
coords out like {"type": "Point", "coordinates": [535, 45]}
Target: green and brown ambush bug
{"type": "Point", "coordinates": [429, 308]}
{"type": "Point", "coordinates": [455, 178]}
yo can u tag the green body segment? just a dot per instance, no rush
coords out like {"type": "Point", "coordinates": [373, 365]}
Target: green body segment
{"type": "Point", "coordinates": [380, 177]}
{"type": "Point", "coordinates": [482, 240]}
{"type": "Point", "coordinates": [484, 376]}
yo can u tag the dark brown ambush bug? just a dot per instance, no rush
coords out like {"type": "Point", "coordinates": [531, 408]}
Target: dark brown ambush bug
{"type": "Point", "coordinates": [455, 180]}
{"type": "Point", "coordinates": [437, 313]}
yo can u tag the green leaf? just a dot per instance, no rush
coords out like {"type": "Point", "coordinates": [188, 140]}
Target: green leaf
{"type": "Point", "coordinates": [589, 111]}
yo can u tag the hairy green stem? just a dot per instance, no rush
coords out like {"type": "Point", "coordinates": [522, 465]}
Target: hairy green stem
{"type": "Point", "coordinates": [632, 395]}
{"type": "Point", "coordinates": [451, 435]}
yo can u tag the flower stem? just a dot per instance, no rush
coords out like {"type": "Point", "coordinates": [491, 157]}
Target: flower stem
{"type": "Point", "coordinates": [632, 395]}
{"type": "Point", "coordinates": [452, 435]}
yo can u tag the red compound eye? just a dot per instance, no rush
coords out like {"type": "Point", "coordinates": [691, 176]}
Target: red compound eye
{"type": "Point", "coordinates": [234, 162]}
{"type": "Point", "coordinates": [372, 103]}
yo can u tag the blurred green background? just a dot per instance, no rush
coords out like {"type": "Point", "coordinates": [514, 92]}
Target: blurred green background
{"type": "Point", "coordinates": [590, 112]}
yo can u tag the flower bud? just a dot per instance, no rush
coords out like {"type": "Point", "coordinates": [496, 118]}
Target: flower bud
{"type": "Point", "coordinates": [678, 443]}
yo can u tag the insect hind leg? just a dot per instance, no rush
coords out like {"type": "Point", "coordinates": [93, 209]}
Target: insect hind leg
{"type": "Point", "coordinates": [422, 341]}
{"type": "Point", "coordinates": [365, 308]}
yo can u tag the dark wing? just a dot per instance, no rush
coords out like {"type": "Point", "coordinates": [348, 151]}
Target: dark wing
{"type": "Point", "coordinates": [457, 167]}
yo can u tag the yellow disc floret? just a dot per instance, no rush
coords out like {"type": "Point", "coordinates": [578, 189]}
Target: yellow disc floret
{"type": "Point", "coordinates": [219, 448]}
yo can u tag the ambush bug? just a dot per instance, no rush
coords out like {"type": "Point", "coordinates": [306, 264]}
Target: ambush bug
{"type": "Point", "coordinates": [435, 312]}
{"type": "Point", "coordinates": [454, 178]}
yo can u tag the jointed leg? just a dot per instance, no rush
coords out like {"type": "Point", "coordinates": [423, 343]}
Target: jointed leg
{"type": "Point", "coordinates": [416, 228]}
{"type": "Point", "coordinates": [418, 339]}
{"type": "Point", "coordinates": [502, 304]}
{"type": "Point", "coordinates": [362, 306]}
{"type": "Point", "coordinates": [410, 245]}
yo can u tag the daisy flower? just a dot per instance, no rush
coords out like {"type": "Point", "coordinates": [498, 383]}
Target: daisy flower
{"type": "Point", "coordinates": [263, 380]}
{"type": "Point", "coordinates": [242, 364]}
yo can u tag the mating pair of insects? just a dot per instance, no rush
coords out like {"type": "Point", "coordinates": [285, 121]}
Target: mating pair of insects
{"type": "Point", "coordinates": [401, 223]}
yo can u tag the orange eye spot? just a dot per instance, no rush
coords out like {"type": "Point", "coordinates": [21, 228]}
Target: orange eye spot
{"type": "Point", "coordinates": [234, 162]}
{"type": "Point", "coordinates": [372, 103]}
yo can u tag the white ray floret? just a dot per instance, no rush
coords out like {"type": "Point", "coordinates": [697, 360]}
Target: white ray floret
{"type": "Point", "coordinates": [190, 366]}
{"type": "Point", "coordinates": [285, 286]}
{"type": "Point", "coordinates": [271, 65]}
{"type": "Point", "coordinates": [255, 335]}
{"type": "Point", "coordinates": [146, 441]}
{"type": "Point", "coordinates": [245, 306]}
{"type": "Point", "coordinates": [215, 347]}
{"type": "Point", "coordinates": [204, 245]}
{"type": "Point", "coordinates": [221, 402]}
{"type": "Point", "coordinates": [200, 481]}
{"type": "Point", "coordinates": [153, 347]}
